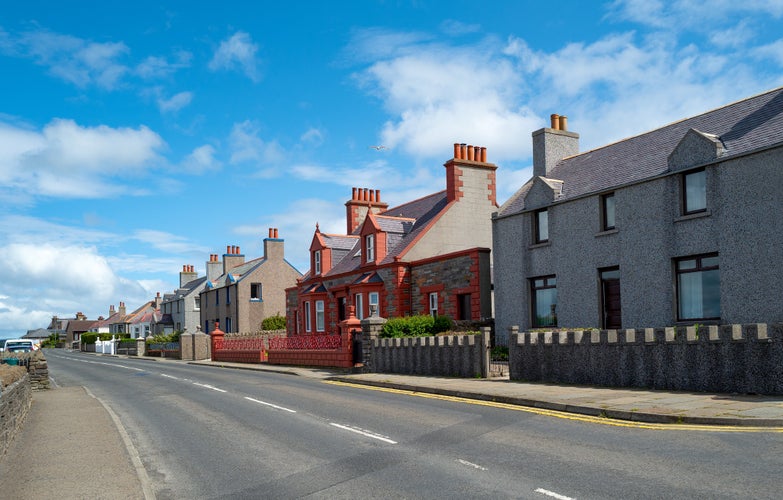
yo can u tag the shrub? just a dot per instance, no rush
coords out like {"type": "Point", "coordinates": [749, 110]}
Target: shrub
{"type": "Point", "coordinates": [442, 324]}
{"type": "Point", "coordinates": [275, 322]}
{"type": "Point", "coordinates": [409, 326]}
{"type": "Point", "coordinates": [89, 338]}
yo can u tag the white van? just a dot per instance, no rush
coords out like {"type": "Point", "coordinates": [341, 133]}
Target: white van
{"type": "Point", "coordinates": [19, 345]}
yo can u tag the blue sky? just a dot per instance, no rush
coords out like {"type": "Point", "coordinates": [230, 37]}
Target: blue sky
{"type": "Point", "coordinates": [138, 138]}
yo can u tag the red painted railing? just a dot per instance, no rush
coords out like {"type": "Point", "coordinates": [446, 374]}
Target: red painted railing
{"type": "Point", "coordinates": [240, 344]}
{"type": "Point", "coordinates": [306, 342]}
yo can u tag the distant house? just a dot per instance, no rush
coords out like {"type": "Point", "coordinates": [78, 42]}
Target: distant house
{"type": "Point", "coordinates": [141, 322]}
{"type": "Point", "coordinates": [76, 327]}
{"type": "Point", "coordinates": [240, 295]}
{"type": "Point", "coordinates": [427, 256]}
{"type": "Point", "coordinates": [182, 308]}
{"type": "Point", "coordinates": [676, 226]}
{"type": "Point", "coordinates": [103, 325]}
{"type": "Point", "coordinates": [38, 335]}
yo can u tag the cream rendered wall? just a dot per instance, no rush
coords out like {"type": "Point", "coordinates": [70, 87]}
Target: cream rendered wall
{"type": "Point", "coordinates": [467, 223]}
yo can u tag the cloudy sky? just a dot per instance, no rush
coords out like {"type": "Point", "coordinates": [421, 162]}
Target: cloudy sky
{"type": "Point", "coordinates": [139, 138]}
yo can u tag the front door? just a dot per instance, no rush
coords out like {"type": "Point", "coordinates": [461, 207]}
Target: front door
{"type": "Point", "coordinates": [610, 298]}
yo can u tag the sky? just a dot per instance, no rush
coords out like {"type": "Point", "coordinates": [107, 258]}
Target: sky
{"type": "Point", "coordinates": [137, 138]}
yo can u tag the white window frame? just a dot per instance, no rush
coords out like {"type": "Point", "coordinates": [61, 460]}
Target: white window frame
{"type": "Point", "coordinates": [317, 262]}
{"type": "Point", "coordinates": [308, 319]}
{"type": "Point", "coordinates": [319, 315]}
{"type": "Point", "coordinates": [358, 301]}
{"type": "Point", "coordinates": [369, 242]}
{"type": "Point", "coordinates": [197, 303]}
{"type": "Point", "coordinates": [373, 299]}
{"type": "Point", "coordinates": [433, 304]}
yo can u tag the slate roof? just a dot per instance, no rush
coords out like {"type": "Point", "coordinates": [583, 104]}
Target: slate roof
{"type": "Point", "coordinates": [744, 126]}
{"type": "Point", "coordinates": [402, 223]}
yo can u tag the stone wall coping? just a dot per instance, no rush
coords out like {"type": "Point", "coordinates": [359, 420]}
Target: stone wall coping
{"type": "Point", "coordinates": [753, 332]}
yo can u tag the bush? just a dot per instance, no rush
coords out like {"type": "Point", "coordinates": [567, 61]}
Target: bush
{"type": "Point", "coordinates": [409, 326]}
{"type": "Point", "coordinates": [442, 324]}
{"type": "Point", "coordinates": [275, 322]}
{"type": "Point", "coordinates": [89, 338]}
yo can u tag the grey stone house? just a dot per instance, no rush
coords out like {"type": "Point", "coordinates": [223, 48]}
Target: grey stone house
{"type": "Point", "coordinates": [182, 307]}
{"type": "Point", "coordinates": [676, 226]}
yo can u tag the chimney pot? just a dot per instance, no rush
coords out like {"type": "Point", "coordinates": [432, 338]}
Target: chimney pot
{"type": "Point", "coordinates": [276, 233]}
{"type": "Point", "coordinates": [563, 122]}
{"type": "Point", "coordinates": [483, 155]}
{"type": "Point", "coordinates": [372, 195]}
{"type": "Point", "coordinates": [237, 250]}
{"type": "Point", "coordinates": [228, 248]}
{"type": "Point", "coordinates": [365, 194]}
{"type": "Point", "coordinates": [378, 195]}
{"type": "Point", "coordinates": [471, 155]}
{"type": "Point", "coordinates": [456, 151]}
{"type": "Point", "coordinates": [463, 151]}
{"type": "Point", "coordinates": [555, 121]}
{"type": "Point", "coordinates": [353, 195]}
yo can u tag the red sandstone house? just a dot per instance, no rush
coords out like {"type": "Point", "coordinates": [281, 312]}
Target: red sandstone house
{"type": "Point", "coordinates": [427, 256]}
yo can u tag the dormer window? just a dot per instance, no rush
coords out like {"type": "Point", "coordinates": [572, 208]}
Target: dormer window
{"type": "Point", "coordinates": [317, 262]}
{"type": "Point", "coordinates": [369, 242]}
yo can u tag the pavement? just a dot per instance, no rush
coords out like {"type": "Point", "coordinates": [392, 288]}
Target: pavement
{"type": "Point", "coordinates": [77, 439]}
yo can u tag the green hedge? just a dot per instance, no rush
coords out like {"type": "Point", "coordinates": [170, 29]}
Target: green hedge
{"type": "Point", "coordinates": [275, 322]}
{"type": "Point", "coordinates": [422, 325]}
{"type": "Point", "coordinates": [90, 338]}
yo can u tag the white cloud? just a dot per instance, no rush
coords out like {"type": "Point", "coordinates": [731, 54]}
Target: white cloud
{"type": "Point", "coordinates": [200, 160]}
{"type": "Point", "coordinates": [313, 137]}
{"type": "Point", "coordinates": [248, 147]}
{"type": "Point", "coordinates": [66, 159]}
{"type": "Point", "coordinates": [239, 51]}
{"type": "Point", "coordinates": [175, 102]}
{"type": "Point", "coordinates": [75, 60]}
{"type": "Point", "coordinates": [772, 52]}
{"type": "Point", "coordinates": [154, 67]}
{"type": "Point", "coordinates": [436, 99]}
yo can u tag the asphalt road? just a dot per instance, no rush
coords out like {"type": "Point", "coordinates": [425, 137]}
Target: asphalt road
{"type": "Point", "coordinates": [205, 432]}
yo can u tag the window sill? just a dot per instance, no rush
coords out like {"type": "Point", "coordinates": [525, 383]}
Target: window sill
{"type": "Point", "coordinates": [539, 245]}
{"type": "Point", "coordinates": [256, 300]}
{"type": "Point", "coordinates": [697, 215]}
{"type": "Point", "coordinates": [607, 232]}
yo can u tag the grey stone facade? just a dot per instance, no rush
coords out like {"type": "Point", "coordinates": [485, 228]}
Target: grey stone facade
{"type": "Point", "coordinates": [740, 149]}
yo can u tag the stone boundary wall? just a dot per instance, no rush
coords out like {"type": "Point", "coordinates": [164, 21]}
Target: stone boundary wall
{"type": "Point", "coordinates": [446, 356]}
{"type": "Point", "coordinates": [726, 358]}
{"type": "Point", "coordinates": [15, 402]}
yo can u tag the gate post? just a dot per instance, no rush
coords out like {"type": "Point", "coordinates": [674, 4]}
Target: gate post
{"type": "Point", "coordinates": [371, 328]}
{"type": "Point", "coordinates": [217, 338]}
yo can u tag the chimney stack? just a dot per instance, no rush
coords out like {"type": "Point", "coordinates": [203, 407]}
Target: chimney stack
{"type": "Point", "coordinates": [187, 275]}
{"type": "Point", "coordinates": [214, 267]}
{"type": "Point", "coordinates": [362, 200]}
{"type": "Point", "coordinates": [550, 145]}
{"type": "Point", "coordinates": [471, 157]}
{"type": "Point", "coordinates": [232, 258]}
{"type": "Point", "coordinates": [273, 246]}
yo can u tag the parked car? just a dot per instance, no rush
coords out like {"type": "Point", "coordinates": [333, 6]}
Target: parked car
{"type": "Point", "coordinates": [19, 345]}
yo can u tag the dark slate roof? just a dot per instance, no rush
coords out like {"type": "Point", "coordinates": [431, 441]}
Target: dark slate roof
{"type": "Point", "coordinates": [744, 126]}
{"type": "Point", "coordinates": [338, 241]}
{"type": "Point", "coordinates": [411, 218]}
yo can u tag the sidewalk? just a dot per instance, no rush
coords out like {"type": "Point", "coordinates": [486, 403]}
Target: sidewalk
{"type": "Point", "coordinates": [633, 405]}
{"type": "Point", "coordinates": [70, 447]}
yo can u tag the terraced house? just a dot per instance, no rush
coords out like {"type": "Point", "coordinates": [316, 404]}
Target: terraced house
{"type": "Point", "coordinates": [240, 295]}
{"type": "Point", "coordinates": [427, 256]}
{"type": "Point", "coordinates": [676, 226]}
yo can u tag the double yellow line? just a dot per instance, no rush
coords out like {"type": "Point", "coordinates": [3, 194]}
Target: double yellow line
{"type": "Point", "coordinates": [565, 415]}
